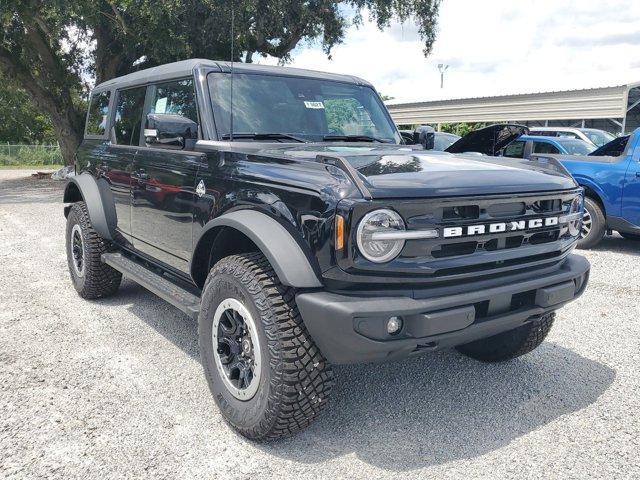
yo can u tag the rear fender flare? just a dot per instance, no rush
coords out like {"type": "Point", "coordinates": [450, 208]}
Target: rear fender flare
{"type": "Point", "coordinates": [285, 255]}
{"type": "Point", "coordinates": [97, 195]}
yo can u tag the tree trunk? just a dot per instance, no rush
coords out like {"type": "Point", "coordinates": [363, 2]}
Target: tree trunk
{"type": "Point", "coordinates": [69, 139]}
{"type": "Point", "coordinates": [54, 99]}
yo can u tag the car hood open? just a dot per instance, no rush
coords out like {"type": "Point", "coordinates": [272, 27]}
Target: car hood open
{"type": "Point", "coordinates": [489, 140]}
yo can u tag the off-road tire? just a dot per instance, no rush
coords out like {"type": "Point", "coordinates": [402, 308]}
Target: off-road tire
{"type": "Point", "coordinates": [296, 379]}
{"type": "Point", "coordinates": [98, 280]}
{"type": "Point", "coordinates": [511, 344]}
{"type": "Point", "coordinates": [630, 236]}
{"type": "Point", "coordinates": [598, 224]}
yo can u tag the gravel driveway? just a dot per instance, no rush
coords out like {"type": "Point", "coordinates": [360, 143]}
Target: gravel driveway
{"type": "Point", "coordinates": [114, 388]}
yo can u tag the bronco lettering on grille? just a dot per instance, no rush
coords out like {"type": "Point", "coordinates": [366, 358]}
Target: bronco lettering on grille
{"type": "Point", "coordinates": [512, 226]}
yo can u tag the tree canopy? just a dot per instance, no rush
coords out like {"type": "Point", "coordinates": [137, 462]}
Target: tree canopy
{"type": "Point", "coordinates": [20, 122]}
{"type": "Point", "coordinates": [51, 48]}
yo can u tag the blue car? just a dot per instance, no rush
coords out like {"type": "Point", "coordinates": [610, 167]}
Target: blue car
{"type": "Point", "coordinates": [527, 145]}
{"type": "Point", "coordinates": [610, 177]}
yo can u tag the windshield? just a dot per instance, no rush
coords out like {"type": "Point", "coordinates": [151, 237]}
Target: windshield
{"type": "Point", "coordinates": [576, 147]}
{"type": "Point", "coordinates": [598, 137]}
{"type": "Point", "coordinates": [309, 109]}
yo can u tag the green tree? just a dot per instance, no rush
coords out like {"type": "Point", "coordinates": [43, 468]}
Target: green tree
{"type": "Point", "coordinates": [51, 47]}
{"type": "Point", "coordinates": [461, 128]}
{"type": "Point", "coordinates": [20, 122]}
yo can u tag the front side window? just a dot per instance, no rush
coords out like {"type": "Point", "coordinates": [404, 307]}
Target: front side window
{"type": "Point", "coordinates": [514, 149]}
{"type": "Point", "coordinates": [129, 115]}
{"type": "Point", "coordinates": [307, 108]}
{"type": "Point", "coordinates": [175, 98]}
{"type": "Point", "coordinates": [544, 147]}
{"type": "Point", "coordinates": [98, 113]}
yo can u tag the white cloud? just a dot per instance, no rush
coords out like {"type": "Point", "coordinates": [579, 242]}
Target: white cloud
{"type": "Point", "coordinates": [494, 47]}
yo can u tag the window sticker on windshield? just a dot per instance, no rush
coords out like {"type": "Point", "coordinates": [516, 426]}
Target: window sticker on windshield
{"type": "Point", "coordinates": [314, 105]}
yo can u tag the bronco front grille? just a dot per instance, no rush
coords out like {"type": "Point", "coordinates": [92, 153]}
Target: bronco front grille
{"type": "Point", "coordinates": [469, 249]}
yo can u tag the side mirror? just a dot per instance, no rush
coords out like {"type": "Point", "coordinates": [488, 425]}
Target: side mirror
{"type": "Point", "coordinates": [174, 132]}
{"type": "Point", "coordinates": [425, 136]}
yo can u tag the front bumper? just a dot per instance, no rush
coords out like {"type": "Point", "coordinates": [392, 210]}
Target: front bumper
{"type": "Point", "coordinates": [352, 328]}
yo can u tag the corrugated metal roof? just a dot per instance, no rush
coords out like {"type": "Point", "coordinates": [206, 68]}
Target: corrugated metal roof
{"type": "Point", "coordinates": [593, 103]}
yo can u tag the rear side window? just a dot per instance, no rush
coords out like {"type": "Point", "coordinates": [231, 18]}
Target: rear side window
{"type": "Point", "coordinates": [544, 147]}
{"type": "Point", "coordinates": [514, 149]}
{"type": "Point", "coordinates": [98, 113]}
{"type": "Point", "coordinates": [129, 116]}
{"type": "Point", "coordinates": [175, 98]}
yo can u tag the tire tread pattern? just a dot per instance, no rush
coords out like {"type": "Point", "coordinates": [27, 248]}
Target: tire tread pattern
{"type": "Point", "coordinates": [509, 345]}
{"type": "Point", "coordinates": [100, 280]}
{"type": "Point", "coordinates": [301, 378]}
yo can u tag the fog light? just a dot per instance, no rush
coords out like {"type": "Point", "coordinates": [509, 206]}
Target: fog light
{"type": "Point", "coordinates": [394, 325]}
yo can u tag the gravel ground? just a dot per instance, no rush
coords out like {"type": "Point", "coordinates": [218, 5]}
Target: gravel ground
{"type": "Point", "coordinates": [114, 388]}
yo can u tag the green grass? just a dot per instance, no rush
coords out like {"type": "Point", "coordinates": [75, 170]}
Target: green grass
{"type": "Point", "coordinates": [31, 167]}
{"type": "Point", "coordinates": [29, 155]}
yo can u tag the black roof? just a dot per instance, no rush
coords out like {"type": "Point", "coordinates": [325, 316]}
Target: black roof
{"type": "Point", "coordinates": [185, 68]}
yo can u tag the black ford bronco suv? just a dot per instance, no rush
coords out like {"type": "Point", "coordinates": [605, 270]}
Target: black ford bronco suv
{"type": "Point", "coordinates": [282, 210]}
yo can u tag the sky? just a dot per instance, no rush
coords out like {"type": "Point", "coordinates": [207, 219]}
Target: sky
{"type": "Point", "coordinates": [492, 47]}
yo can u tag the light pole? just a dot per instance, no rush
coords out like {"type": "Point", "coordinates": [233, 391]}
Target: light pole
{"type": "Point", "coordinates": [443, 68]}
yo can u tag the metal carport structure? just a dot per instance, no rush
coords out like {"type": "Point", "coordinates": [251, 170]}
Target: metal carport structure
{"type": "Point", "coordinates": [615, 109]}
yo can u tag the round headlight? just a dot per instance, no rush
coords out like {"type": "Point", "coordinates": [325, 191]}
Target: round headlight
{"type": "Point", "coordinates": [373, 244]}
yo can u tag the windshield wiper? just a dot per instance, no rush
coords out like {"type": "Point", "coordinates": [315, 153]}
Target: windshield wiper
{"type": "Point", "coordinates": [264, 136]}
{"type": "Point", "coordinates": [353, 138]}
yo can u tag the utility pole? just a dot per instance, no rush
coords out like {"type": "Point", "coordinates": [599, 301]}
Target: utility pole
{"type": "Point", "coordinates": [443, 68]}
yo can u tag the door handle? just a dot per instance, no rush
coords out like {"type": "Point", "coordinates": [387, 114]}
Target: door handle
{"type": "Point", "coordinates": [637, 174]}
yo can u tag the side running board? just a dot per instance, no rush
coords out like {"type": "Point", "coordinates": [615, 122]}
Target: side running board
{"type": "Point", "coordinates": [154, 282]}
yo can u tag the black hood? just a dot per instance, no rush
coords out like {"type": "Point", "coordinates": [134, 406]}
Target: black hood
{"type": "Point", "coordinates": [489, 140]}
{"type": "Point", "coordinates": [396, 171]}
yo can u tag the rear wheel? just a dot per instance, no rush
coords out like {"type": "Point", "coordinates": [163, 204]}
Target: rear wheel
{"type": "Point", "coordinates": [91, 278]}
{"type": "Point", "coordinates": [593, 224]}
{"type": "Point", "coordinates": [265, 372]}
{"type": "Point", "coordinates": [511, 344]}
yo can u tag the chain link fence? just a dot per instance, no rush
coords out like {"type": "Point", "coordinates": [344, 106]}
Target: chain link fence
{"type": "Point", "coordinates": [17, 155]}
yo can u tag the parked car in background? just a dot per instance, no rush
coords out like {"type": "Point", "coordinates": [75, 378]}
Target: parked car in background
{"type": "Point", "coordinates": [488, 140]}
{"type": "Point", "coordinates": [610, 177]}
{"type": "Point", "coordinates": [439, 140]}
{"type": "Point", "coordinates": [591, 135]}
{"type": "Point", "coordinates": [527, 145]}
{"type": "Point", "coordinates": [442, 140]}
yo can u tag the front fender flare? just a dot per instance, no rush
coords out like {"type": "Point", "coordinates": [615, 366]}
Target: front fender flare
{"type": "Point", "coordinates": [97, 195]}
{"type": "Point", "coordinates": [283, 252]}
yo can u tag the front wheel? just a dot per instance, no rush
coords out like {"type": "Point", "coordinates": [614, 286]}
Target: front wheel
{"type": "Point", "coordinates": [91, 278]}
{"type": "Point", "coordinates": [265, 373]}
{"type": "Point", "coordinates": [511, 344]}
{"type": "Point", "coordinates": [593, 224]}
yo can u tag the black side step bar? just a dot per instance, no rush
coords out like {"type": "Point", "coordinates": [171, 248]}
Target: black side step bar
{"type": "Point", "coordinates": [154, 282]}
